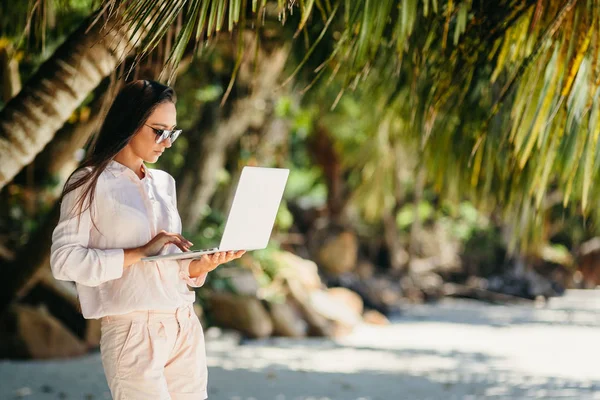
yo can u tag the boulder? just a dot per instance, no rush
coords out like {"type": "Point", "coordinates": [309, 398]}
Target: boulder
{"type": "Point", "coordinates": [384, 294]}
{"type": "Point", "coordinates": [200, 314]}
{"type": "Point", "coordinates": [380, 292]}
{"type": "Point", "coordinates": [340, 316]}
{"type": "Point", "coordinates": [365, 270]}
{"type": "Point", "coordinates": [242, 313]}
{"type": "Point", "coordinates": [299, 298]}
{"type": "Point", "coordinates": [588, 259]}
{"type": "Point", "coordinates": [92, 333]}
{"type": "Point", "coordinates": [431, 284]}
{"type": "Point", "coordinates": [31, 332]}
{"type": "Point", "coordinates": [346, 296]}
{"type": "Point", "coordinates": [339, 253]}
{"type": "Point", "coordinates": [242, 281]}
{"type": "Point", "coordinates": [374, 317]}
{"type": "Point", "coordinates": [287, 320]}
{"type": "Point", "coordinates": [333, 308]}
{"type": "Point", "coordinates": [300, 270]}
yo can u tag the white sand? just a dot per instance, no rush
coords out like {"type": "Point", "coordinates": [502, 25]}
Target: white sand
{"type": "Point", "coordinates": [453, 350]}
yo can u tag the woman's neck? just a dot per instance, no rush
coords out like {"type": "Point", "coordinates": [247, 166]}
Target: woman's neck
{"type": "Point", "coordinates": [131, 161]}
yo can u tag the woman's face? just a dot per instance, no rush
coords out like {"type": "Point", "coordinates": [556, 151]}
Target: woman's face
{"type": "Point", "coordinates": [143, 144]}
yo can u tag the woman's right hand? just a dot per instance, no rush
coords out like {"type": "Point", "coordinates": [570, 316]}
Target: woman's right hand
{"type": "Point", "coordinates": [163, 238]}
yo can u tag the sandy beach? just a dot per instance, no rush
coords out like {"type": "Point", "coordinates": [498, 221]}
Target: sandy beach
{"type": "Point", "coordinates": [456, 349]}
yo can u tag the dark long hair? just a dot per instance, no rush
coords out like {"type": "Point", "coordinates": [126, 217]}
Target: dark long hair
{"type": "Point", "coordinates": [128, 113]}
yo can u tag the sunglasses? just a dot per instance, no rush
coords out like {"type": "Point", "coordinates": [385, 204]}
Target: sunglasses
{"type": "Point", "coordinates": [163, 134]}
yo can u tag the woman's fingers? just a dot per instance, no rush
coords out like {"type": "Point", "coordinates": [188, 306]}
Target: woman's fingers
{"type": "Point", "coordinates": [177, 240]}
{"type": "Point", "coordinates": [183, 240]}
{"type": "Point", "coordinates": [187, 242]}
{"type": "Point", "coordinates": [232, 255]}
{"type": "Point", "coordinates": [179, 244]}
{"type": "Point", "coordinates": [221, 257]}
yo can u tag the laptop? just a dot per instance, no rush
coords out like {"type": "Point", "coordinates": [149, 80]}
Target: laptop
{"type": "Point", "coordinates": [251, 216]}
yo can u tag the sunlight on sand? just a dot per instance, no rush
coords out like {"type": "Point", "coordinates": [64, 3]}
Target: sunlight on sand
{"type": "Point", "coordinates": [452, 350]}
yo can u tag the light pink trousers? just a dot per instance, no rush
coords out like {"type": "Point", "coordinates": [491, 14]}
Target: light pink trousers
{"type": "Point", "coordinates": [156, 355]}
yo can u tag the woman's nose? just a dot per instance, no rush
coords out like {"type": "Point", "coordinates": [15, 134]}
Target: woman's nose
{"type": "Point", "coordinates": [167, 142]}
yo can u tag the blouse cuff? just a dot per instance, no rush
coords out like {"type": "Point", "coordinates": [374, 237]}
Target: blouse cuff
{"type": "Point", "coordinates": [184, 273]}
{"type": "Point", "coordinates": [113, 260]}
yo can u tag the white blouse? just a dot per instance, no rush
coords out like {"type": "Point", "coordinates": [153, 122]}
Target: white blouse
{"type": "Point", "coordinates": [127, 212]}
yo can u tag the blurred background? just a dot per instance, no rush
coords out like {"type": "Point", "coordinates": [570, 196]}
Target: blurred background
{"type": "Point", "coordinates": [438, 237]}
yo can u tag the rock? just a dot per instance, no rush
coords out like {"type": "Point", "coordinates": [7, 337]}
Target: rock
{"type": "Point", "coordinates": [287, 320]}
{"type": "Point", "coordinates": [436, 242]}
{"type": "Point", "coordinates": [365, 270]}
{"type": "Point", "coordinates": [333, 309]}
{"type": "Point", "coordinates": [198, 310]}
{"type": "Point", "coordinates": [411, 291]}
{"type": "Point", "coordinates": [347, 297]}
{"type": "Point", "coordinates": [242, 281]}
{"type": "Point", "coordinates": [92, 333]}
{"type": "Point", "coordinates": [420, 266]}
{"type": "Point", "coordinates": [384, 293]}
{"type": "Point", "coordinates": [200, 314]}
{"type": "Point", "coordinates": [539, 285]}
{"type": "Point", "coordinates": [243, 313]}
{"type": "Point", "coordinates": [298, 297]}
{"type": "Point", "coordinates": [300, 270]}
{"type": "Point", "coordinates": [589, 262]}
{"type": "Point", "coordinates": [431, 284]}
{"type": "Point", "coordinates": [381, 292]}
{"type": "Point", "coordinates": [30, 332]}
{"type": "Point", "coordinates": [374, 317]}
{"type": "Point", "coordinates": [339, 253]}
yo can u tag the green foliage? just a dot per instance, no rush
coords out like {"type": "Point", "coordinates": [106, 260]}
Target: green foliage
{"type": "Point", "coordinates": [41, 25]}
{"type": "Point", "coordinates": [407, 215]}
{"type": "Point", "coordinates": [213, 224]}
{"type": "Point", "coordinates": [463, 221]}
{"type": "Point", "coordinates": [498, 100]}
{"type": "Point", "coordinates": [284, 219]}
{"type": "Point", "coordinates": [306, 183]}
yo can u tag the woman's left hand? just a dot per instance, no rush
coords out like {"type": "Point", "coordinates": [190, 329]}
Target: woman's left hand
{"type": "Point", "coordinates": [209, 262]}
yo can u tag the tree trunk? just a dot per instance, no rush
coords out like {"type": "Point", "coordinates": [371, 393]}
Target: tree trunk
{"type": "Point", "coordinates": [56, 160]}
{"type": "Point", "coordinates": [29, 120]}
{"type": "Point", "coordinates": [399, 257]}
{"type": "Point", "coordinates": [274, 135]}
{"type": "Point", "coordinates": [207, 154]}
{"type": "Point", "coordinates": [417, 226]}
{"type": "Point", "coordinates": [323, 151]}
{"type": "Point", "coordinates": [60, 300]}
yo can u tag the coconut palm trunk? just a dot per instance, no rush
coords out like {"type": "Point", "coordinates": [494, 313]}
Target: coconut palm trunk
{"type": "Point", "coordinates": [207, 153]}
{"type": "Point", "coordinates": [30, 119]}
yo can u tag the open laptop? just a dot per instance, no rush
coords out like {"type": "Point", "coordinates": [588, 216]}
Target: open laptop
{"type": "Point", "coordinates": [252, 214]}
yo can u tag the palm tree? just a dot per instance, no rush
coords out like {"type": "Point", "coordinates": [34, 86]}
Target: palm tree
{"type": "Point", "coordinates": [508, 87]}
{"type": "Point", "coordinates": [459, 45]}
{"type": "Point", "coordinates": [30, 119]}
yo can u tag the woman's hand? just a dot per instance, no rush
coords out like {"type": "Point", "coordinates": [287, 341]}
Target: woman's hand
{"type": "Point", "coordinates": [154, 246]}
{"type": "Point", "coordinates": [163, 238]}
{"type": "Point", "coordinates": [209, 262]}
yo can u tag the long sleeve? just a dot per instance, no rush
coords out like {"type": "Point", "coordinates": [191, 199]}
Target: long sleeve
{"type": "Point", "coordinates": [71, 259]}
{"type": "Point", "coordinates": [184, 265]}
{"type": "Point", "coordinates": [184, 273]}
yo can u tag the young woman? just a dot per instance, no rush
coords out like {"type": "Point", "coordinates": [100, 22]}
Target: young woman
{"type": "Point", "coordinates": [114, 212]}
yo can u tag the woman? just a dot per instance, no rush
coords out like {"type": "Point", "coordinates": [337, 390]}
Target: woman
{"type": "Point", "coordinates": [114, 212]}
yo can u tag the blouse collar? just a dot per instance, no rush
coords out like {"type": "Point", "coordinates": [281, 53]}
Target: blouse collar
{"type": "Point", "coordinates": [117, 169]}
